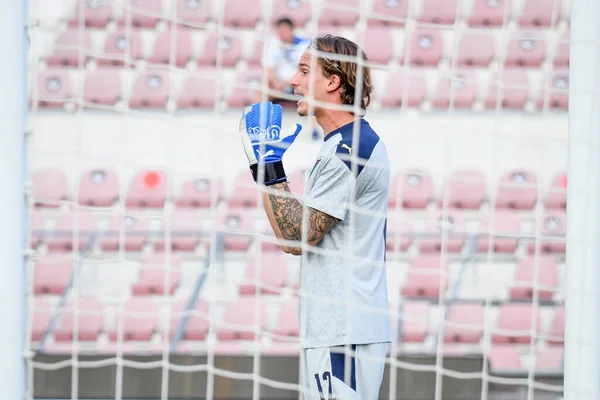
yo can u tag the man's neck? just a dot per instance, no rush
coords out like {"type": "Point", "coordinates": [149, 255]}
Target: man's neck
{"type": "Point", "coordinates": [331, 120]}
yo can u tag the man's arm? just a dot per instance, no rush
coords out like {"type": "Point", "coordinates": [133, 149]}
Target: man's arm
{"type": "Point", "coordinates": [285, 214]}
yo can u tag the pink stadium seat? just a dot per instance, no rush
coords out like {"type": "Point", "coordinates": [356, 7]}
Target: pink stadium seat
{"type": "Point", "coordinates": [550, 360]}
{"type": "Point", "coordinates": [242, 13]}
{"type": "Point", "coordinates": [514, 324]}
{"type": "Point", "coordinates": [198, 320]}
{"type": "Point", "coordinates": [298, 11]}
{"type": "Point", "coordinates": [513, 88]}
{"type": "Point", "coordinates": [93, 14]}
{"type": "Point", "coordinates": [229, 45]}
{"type": "Point", "coordinates": [540, 13]}
{"type": "Point", "coordinates": [121, 47]}
{"type": "Point", "coordinates": [526, 49]}
{"type": "Point", "coordinates": [505, 229]}
{"type": "Point", "coordinates": [414, 189]}
{"type": "Point", "coordinates": [452, 226]}
{"type": "Point", "coordinates": [339, 13]}
{"type": "Point", "coordinates": [240, 319]}
{"type": "Point", "coordinates": [147, 189]}
{"type": "Point", "coordinates": [185, 230]}
{"type": "Point", "coordinates": [404, 88]}
{"type": "Point", "coordinates": [193, 13]}
{"type": "Point", "coordinates": [42, 314]}
{"type": "Point", "coordinates": [52, 274]}
{"type": "Point", "coordinates": [530, 277]}
{"type": "Point", "coordinates": [142, 13]}
{"type": "Point", "coordinates": [38, 228]}
{"type": "Point", "coordinates": [154, 273]}
{"type": "Point", "coordinates": [136, 320]}
{"type": "Point", "coordinates": [53, 88]}
{"type": "Point", "coordinates": [399, 233]}
{"type": "Point", "coordinates": [464, 189]}
{"type": "Point", "coordinates": [423, 47]}
{"type": "Point", "coordinates": [73, 230]}
{"type": "Point", "coordinates": [163, 52]}
{"type": "Point", "coordinates": [557, 329]}
{"type": "Point", "coordinates": [200, 193]}
{"type": "Point", "coordinates": [245, 191]}
{"type": "Point", "coordinates": [552, 230]}
{"type": "Point", "coordinates": [150, 89]}
{"type": "Point", "coordinates": [286, 327]}
{"type": "Point", "coordinates": [136, 232]}
{"type": "Point", "coordinates": [247, 85]}
{"type": "Point", "coordinates": [389, 12]}
{"type": "Point", "coordinates": [90, 320]}
{"type": "Point", "coordinates": [380, 44]}
{"type": "Point", "coordinates": [476, 48]}
{"type": "Point", "coordinates": [556, 88]}
{"type": "Point", "coordinates": [439, 11]}
{"type": "Point", "coordinates": [425, 277]}
{"type": "Point", "coordinates": [464, 323]}
{"type": "Point", "coordinates": [255, 57]}
{"type": "Point", "coordinates": [504, 358]}
{"type": "Point", "coordinates": [99, 188]}
{"type": "Point", "coordinates": [73, 48]}
{"type": "Point", "coordinates": [414, 318]}
{"type": "Point", "coordinates": [199, 90]}
{"type": "Point", "coordinates": [236, 225]}
{"type": "Point", "coordinates": [103, 87]}
{"type": "Point", "coordinates": [561, 58]}
{"type": "Point", "coordinates": [296, 181]}
{"type": "Point", "coordinates": [517, 189]}
{"type": "Point", "coordinates": [556, 198]}
{"type": "Point", "coordinates": [490, 12]}
{"type": "Point", "coordinates": [271, 274]}
{"type": "Point", "coordinates": [49, 187]}
{"type": "Point", "coordinates": [459, 90]}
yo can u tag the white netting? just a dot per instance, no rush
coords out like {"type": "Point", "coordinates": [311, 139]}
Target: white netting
{"type": "Point", "coordinates": [135, 163]}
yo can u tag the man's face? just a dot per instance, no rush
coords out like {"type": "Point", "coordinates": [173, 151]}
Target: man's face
{"type": "Point", "coordinates": [285, 33]}
{"type": "Point", "coordinates": [302, 81]}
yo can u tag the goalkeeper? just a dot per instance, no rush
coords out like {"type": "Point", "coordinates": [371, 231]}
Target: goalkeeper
{"type": "Point", "coordinates": [344, 321]}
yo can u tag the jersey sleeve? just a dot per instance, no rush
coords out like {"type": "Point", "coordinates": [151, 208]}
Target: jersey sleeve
{"type": "Point", "coordinates": [333, 188]}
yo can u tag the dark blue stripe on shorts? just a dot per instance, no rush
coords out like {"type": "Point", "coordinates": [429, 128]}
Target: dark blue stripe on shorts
{"type": "Point", "coordinates": [338, 363]}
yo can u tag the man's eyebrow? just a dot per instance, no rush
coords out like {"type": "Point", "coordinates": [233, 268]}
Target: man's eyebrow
{"type": "Point", "coordinates": [303, 65]}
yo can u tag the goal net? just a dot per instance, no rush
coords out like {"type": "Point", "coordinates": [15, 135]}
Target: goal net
{"type": "Point", "coordinates": [152, 270]}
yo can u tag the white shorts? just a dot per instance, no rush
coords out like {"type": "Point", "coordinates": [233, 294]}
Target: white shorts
{"type": "Point", "coordinates": [343, 372]}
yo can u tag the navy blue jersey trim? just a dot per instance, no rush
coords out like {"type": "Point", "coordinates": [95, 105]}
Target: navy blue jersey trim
{"type": "Point", "coordinates": [346, 149]}
{"type": "Point", "coordinates": [338, 362]}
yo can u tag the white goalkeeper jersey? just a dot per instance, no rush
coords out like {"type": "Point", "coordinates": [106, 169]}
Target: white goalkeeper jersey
{"type": "Point", "coordinates": [343, 290]}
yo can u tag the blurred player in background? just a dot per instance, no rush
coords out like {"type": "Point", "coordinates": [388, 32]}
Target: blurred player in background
{"type": "Point", "coordinates": [344, 321]}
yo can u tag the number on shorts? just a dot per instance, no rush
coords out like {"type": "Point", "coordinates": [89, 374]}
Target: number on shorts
{"type": "Point", "coordinates": [326, 377]}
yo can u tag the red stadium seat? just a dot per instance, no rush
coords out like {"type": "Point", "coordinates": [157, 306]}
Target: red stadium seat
{"type": "Point", "coordinates": [464, 189]}
{"type": "Point", "coordinates": [286, 327]}
{"type": "Point", "coordinates": [404, 88]}
{"type": "Point", "coordinates": [557, 329]}
{"type": "Point", "coordinates": [451, 225]}
{"type": "Point", "coordinates": [380, 45]}
{"type": "Point", "coordinates": [199, 90]}
{"type": "Point", "coordinates": [556, 199]}
{"type": "Point", "coordinates": [73, 230]}
{"type": "Point", "coordinates": [240, 320]}
{"type": "Point", "coordinates": [515, 321]}
{"type": "Point", "coordinates": [529, 277]}
{"type": "Point", "coordinates": [476, 48]}
{"type": "Point", "coordinates": [163, 51]}
{"type": "Point", "coordinates": [102, 87]}
{"type": "Point", "coordinates": [245, 191]}
{"type": "Point", "coordinates": [88, 313]}
{"type": "Point", "coordinates": [513, 87]}
{"type": "Point", "coordinates": [504, 358]}
{"type": "Point", "coordinates": [98, 188]}
{"type": "Point", "coordinates": [200, 193]}
{"type": "Point", "coordinates": [155, 271]}
{"type": "Point", "coordinates": [49, 187]}
{"type": "Point", "coordinates": [561, 58]}
{"type": "Point", "coordinates": [339, 13]}
{"type": "Point", "coordinates": [247, 85]}
{"type": "Point", "coordinates": [185, 229]}
{"type": "Point", "coordinates": [93, 14]}
{"type": "Point", "coordinates": [490, 12]}
{"type": "Point", "coordinates": [42, 315]}
{"type": "Point", "coordinates": [122, 47]}
{"type": "Point", "coordinates": [151, 89]}
{"type": "Point", "coordinates": [193, 13]}
{"type": "Point", "coordinates": [228, 44]}
{"type": "Point", "coordinates": [198, 320]}
{"type": "Point", "coordinates": [426, 277]}
{"type": "Point", "coordinates": [415, 190]}
{"type": "Point", "coordinates": [424, 47]}
{"type": "Point", "coordinates": [503, 237]}
{"type": "Point", "coordinates": [53, 89]}
{"type": "Point", "coordinates": [459, 90]}
{"type": "Point", "coordinates": [414, 320]}
{"type": "Point", "coordinates": [556, 89]}
{"type": "Point", "coordinates": [540, 13]}
{"type": "Point", "coordinates": [73, 48]}
{"type": "Point", "coordinates": [236, 225]}
{"type": "Point", "coordinates": [550, 360]}
{"type": "Point", "coordinates": [389, 12]}
{"type": "Point", "coordinates": [464, 323]}
{"type": "Point", "coordinates": [147, 189]}
{"type": "Point", "coordinates": [52, 274]}
{"type": "Point", "coordinates": [297, 10]}
{"type": "Point", "coordinates": [136, 232]}
{"type": "Point", "coordinates": [439, 11]}
{"type": "Point", "coordinates": [136, 320]}
{"type": "Point", "coordinates": [552, 229]}
{"type": "Point", "coordinates": [526, 49]}
{"type": "Point", "coordinates": [399, 233]}
{"type": "Point", "coordinates": [269, 272]}
{"type": "Point", "coordinates": [517, 189]}
{"type": "Point", "coordinates": [142, 13]}
{"type": "Point", "coordinates": [242, 13]}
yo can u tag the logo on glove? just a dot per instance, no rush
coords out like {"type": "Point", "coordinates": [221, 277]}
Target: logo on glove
{"type": "Point", "coordinates": [272, 133]}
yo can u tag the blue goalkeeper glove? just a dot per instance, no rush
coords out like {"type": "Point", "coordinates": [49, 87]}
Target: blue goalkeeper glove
{"type": "Point", "coordinates": [264, 144]}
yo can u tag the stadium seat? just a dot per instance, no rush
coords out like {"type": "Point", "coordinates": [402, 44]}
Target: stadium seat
{"type": "Point", "coordinates": [136, 232]}
{"type": "Point", "coordinates": [102, 87]}
{"type": "Point", "coordinates": [424, 47]}
{"type": "Point", "coordinates": [298, 11]}
{"type": "Point", "coordinates": [439, 11]}
{"type": "Point", "coordinates": [73, 230]}
{"type": "Point", "coordinates": [193, 13]}
{"type": "Point", "coordinates": [404, 88]}
{"type": "Point", "coordinates": [236, 225]}
{"type": "Point", "coordinates": [561, 57]}
{"type": "Point", "coordinates": [186, 229]}
{"type": "Point", "coordinates": [415, 190]}
{"type": "Point", "coordinates": [242, 13]}
{"type": "Point", "coordinates": [451, 225]}
{"type": "Point", "coordinates": [339, 13]}
{"type": "Point", "coordinates": [526, 49]}
{"type": "Point", "coordinates": [459, 90]}
{"type": "Point", "coordinates": [556, 88]}
{"type": "Point", "coordinates": [42, 315]}
{"type": "Point", "coordinates": [464, 323]}
{"type": "Point", "coordinates": [270, 270]}
{"type": "Point", "coordinates": [142, 13]}
{"type": "Point", "coordinates": [550, 360]}
{"type": "Point", "coordinates": [92, 14]}
{"type": "Point", "coordinates": [73, 49]}
{"type": "Point", "coordinates": [90, 320]}
{"type": "Point", "coordinates": [464, 189]}
{"type": "Point", "coordinates": [52, 274]}
{"type": "Point", "coordinates": [151, 89]}
{"type": "Point", "coordinates": [380, 45]}
{"type": "Point", "coordinates": [540, 13]}
{"type": "Point", "coordinates": [557, 329]}
{"type": "Point", "coordinates": [245, 191]}
{"type": "Point", "coordinates": [229, 45]}
{"type": "Point", "coordinates": [389, 12]}
{"type": "Point", "coordinates": [257, 50]}
{"type": "Point", "coordinates": [286, 327]}
{"type": "Point", "coordinates": [247, 85]}
{"type": "Point", "coordinates": [476, 48]}
{"type": "Point", "coordinates": [517, 189]}
{"type": "Point", "coordinates": [148, 189]}
{"type": "Point", "coordinates": [49, 187]}
{"type": "Point", "coordinates": [504, 358]}
{"type": "Point", "coordinates": [490, 12]}
{"type": "Point", "coordinates": [426, 276]}
{"type": "Point", "coordinates": [513, 86]}
{"type": "Point", "coordinates": [155, 271]}
{"type": "Point", "coordinates": [552, 230]}
{"type": "Point", "coordinates": [199, 90]}
{"type": "Point", "coordinates": [535, 274]}
{"type": "Point", "coordinates": [98, 188]}
{"type": "Point", "coordinates": [399, 233]}
{"type": "Point", "coordinates": [197, 323]}
{"type": "Point", "coordinates": [200, 193]}
{"type": "Point", "coordinates": [514, 324]}
{"type": "Point", "coordinates": [122, 47]}
{"type": "Point", "coordinates": [556, 199]}
{"type": "Point", "coordinates": [136, 320]}
{"type": "Point", "coordinates": [240, 320]}
{"type": "Point", "coordinates": [53, 89]}
{"type": "Point", "coordinates": [504, 234]}
{"type": "Point", "coordinates": [414, 321]}
{"type": "Point", "coordinates": [162, 51]}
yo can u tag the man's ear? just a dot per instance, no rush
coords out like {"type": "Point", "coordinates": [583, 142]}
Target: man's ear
{"type": "Point", "coordinates": [334, 83]}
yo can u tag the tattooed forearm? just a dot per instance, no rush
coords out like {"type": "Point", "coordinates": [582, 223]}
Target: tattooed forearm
{"type": "Point", "coordinates": [319, 224]}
